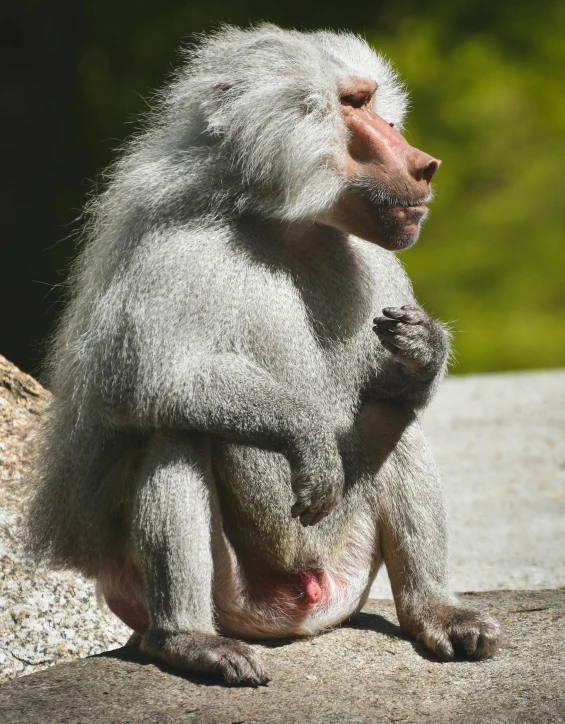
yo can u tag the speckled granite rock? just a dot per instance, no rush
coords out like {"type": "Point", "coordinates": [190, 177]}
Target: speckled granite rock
{"type": "Point", "coordinates": [45, 616]}
{"type": "Point", "coordinates": [361, 673]}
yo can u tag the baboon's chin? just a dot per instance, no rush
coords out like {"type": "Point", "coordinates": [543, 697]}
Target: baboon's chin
{"type": "Point", "coordinates": [403, 239]}
{"type": "Point", "coordinates": [400, 226]}
{"type": "Point", "coordinates": [392, 227]}
{"type": "Point", "coordinates": [392, 237]}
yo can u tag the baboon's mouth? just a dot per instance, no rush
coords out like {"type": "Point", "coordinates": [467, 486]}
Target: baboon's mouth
{"type": "Point", "coordinates": [411, 214]}
{"type": "Point", "coordinates": [397, 202]}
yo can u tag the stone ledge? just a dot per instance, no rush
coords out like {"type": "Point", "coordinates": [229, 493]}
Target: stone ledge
{"type": "Point", "coordinates": [365, 671]}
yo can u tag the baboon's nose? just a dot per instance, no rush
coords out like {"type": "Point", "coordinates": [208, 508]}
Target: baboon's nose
{"type": "Point", "coordinates": [421, 165]}
{"type": "Point", "coordinates": [430, 169]}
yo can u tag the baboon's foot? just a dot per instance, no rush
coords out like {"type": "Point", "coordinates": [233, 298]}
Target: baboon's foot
{"type": "Point", "coordinates": [203, 653]}
{"type": "Point", "coordinates": [447, 628]}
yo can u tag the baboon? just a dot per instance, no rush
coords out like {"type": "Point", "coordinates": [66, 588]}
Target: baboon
{"type": "Point", "coordinates": [234, 446]}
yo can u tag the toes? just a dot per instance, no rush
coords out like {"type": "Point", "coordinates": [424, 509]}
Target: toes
{"type": "Point", "coordinates": [446, 629]}
{"type": "Point", "coordinates": [240, 665]}
{"type": "Point", "coordinates": [489, 639]}
{"type": "Point", "coordinates": [243, 669]}
{"type": "Point", "coordinates": [444, 650]}
{"type": "Point", "coordinates": [439, 643]}
{"type": "Point", "coordinates": [229, 671]}
{"type": "Point", "coordinates": [253, 668]}
{"type": "Point", "coordinates": [468, 641]}
{"type": "Point", "coordinates": [204, 653]}
{"type": "Point", "coordinates": [477, 635]}
{"type": "Point", "coordinates": [260, 674]}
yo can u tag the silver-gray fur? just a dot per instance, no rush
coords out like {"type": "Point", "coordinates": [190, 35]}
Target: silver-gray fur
{"type": "Point", "coordinates": [216, 373]}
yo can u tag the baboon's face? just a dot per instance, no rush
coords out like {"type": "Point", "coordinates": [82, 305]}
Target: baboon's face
{"type": "Point", "coordinates": [388, 181]}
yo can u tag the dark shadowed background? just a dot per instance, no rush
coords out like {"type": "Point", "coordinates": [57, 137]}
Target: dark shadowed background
{"type": "Point", "coordinates": [487, 80]}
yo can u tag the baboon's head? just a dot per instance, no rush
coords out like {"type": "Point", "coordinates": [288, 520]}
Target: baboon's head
{"type": "Point", "coordinates": [302, 127]}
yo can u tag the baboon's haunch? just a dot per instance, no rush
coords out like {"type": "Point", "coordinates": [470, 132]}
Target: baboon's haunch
{"type": "Point", "coordinates": [234, 447]}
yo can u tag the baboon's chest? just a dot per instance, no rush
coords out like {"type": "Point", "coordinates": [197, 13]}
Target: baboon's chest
{"type": "Point", "coordinates": [322, 358]}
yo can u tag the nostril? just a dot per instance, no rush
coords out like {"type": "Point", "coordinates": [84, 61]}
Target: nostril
{"type": "Point", "coordinates": [430, 169]}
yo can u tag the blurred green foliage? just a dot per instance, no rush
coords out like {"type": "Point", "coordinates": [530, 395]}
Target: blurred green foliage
{"type": "Point", "coordinates": [487, 82]}
{"type": "Point", "coordinates": [490, 102]}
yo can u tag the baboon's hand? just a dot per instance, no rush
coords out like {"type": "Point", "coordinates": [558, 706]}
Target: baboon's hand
{"type": "Point", "coordinates": [416, 340]}
{"type": "Point", "coordinates": [317, 481]}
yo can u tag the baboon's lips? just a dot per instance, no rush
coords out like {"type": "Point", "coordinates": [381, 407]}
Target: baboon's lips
{"type": "Point", "coordinates": [410, 214]}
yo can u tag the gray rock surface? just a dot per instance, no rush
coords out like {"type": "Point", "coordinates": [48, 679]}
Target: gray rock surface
{"type": "Point", "coordinates": [500, 444]}
{"type": "Point", "coordinates": [363, 672]}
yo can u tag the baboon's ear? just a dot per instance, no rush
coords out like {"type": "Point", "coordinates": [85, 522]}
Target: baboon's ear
{"type": "Point", "coordinates": [225, 85]}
